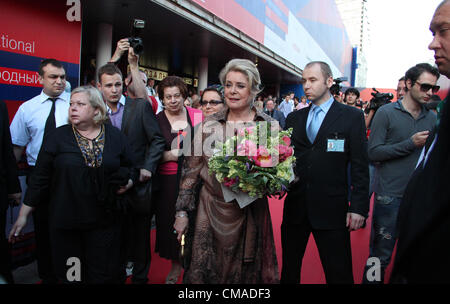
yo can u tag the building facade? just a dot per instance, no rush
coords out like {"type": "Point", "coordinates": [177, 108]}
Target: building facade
{"type": "Point", "coordinates": [192, 39]}
{"type": "Point", "coordinates": [354, 16]}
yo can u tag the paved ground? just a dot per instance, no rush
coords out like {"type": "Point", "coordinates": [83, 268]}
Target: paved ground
{"type": "Point", "coordinates": [26, 274]}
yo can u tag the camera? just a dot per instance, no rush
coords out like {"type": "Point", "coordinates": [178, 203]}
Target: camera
{"type": "Point", "coordinates": [379, 99]}
{"type": "Point", "coordinates": [336, 87]}
{"type": "Point", "coordinates": [135, 41]}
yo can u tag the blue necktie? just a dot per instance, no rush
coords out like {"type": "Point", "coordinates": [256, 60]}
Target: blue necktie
{"type": "Point", "coordinates": [314, 125]}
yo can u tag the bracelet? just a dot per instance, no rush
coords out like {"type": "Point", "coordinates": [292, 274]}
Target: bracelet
{"type": "Point", "coordinates": [181, 214]}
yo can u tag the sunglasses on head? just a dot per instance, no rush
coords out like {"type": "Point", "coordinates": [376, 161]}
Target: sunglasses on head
{"type": "Point", "coordinates": [425, 87]}
{"type": "Point", "coordinates": [211, 102]}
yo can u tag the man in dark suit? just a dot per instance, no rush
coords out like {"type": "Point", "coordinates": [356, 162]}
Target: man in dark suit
{"type": "Point", "coordinates": [275, 114]}
{"type": "Point", "coordinates": [9, 190]}
{"type": "Point", "coordinates": [423, 227]}
{"type": "Point", "coordinates": [327, 137]}
{"type": "Point", "coordinates": [135, 118]}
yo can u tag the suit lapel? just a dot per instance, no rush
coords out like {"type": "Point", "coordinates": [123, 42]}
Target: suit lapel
{"type": "Point", "coordinates": [126, 111]}
{"type": "Point", "coordinates": [302, 136]}
{"type": "Point", "coordinates": [333, 113]}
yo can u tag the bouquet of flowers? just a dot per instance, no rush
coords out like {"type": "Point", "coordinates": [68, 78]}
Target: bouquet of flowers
{"type": "Point", "coordinates": [258, 161]}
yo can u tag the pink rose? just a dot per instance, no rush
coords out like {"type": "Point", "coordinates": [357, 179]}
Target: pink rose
{"type": "Point", "coordinates": [282, 149]}
{"type": "Point", "coordinates": [248, 148]}
{"type": "Point", "coordinates": [250, 130]}
{"type": "Point", "coordinates": [284, 152]}
{"type": "Point", "coordinates": [241, 132]}
{"type": "Point", "coordinates": [289, 152]}
{"type": "Point", "coordinates": [263, 158]}
{"type": "Point", "coordinates": [286, 140]}
{"type": "Point", "coordinates": [229, 182]}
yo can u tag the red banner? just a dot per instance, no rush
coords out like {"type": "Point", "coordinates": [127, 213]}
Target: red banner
{"type": "Point", "coordinates": [44, 29]}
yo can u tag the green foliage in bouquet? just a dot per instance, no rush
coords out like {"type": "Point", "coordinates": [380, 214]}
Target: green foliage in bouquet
{"type": "Point", "coordinates": [258, 160]}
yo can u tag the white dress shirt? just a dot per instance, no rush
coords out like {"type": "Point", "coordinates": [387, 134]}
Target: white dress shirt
{"type": "Point", "coordinates": [27, 127]}
{"type": "Point", "coordinates": [151, 91]}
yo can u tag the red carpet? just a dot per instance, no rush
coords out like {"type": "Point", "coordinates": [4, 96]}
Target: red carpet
{"type": "Point", "coordinates": [312, 272]}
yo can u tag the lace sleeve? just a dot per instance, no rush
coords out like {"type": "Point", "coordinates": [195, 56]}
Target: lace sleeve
{"type": "Point", "coordinates": [190, 180]}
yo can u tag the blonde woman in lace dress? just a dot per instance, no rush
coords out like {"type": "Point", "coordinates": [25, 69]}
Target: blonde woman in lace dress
{"type": "Point", "coordinates": [229, 244]}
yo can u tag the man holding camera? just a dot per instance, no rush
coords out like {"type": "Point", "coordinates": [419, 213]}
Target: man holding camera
{"type": "Point", "coordinates": [133, 115]}
{"type": "Point", "coordinates": [398, 132]}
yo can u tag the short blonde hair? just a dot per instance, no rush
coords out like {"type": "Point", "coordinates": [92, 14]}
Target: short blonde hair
{"type": "Point", "coordinates": [96, 101]}
{"type": "Point", "coordinates": [247, 68]}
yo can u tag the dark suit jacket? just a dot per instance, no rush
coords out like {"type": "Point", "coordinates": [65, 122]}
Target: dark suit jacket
{"type": "Point", "coordinates": [321, 192]}
{"type": "Point", "coordinates": [423, 222]}
{"type": "Point", "coordinates": [144, 136]}
{"type": "Point", "coordinates": [278, 115]}
{"type": "Point", "coordinates": [146, 145]}
{"type": "Point", "coordinates": [9, 182]}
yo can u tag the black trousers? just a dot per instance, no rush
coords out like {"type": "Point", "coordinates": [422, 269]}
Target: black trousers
{"type": "Point", "coordinates": [334, 251]}
{"type": "Point", "coordinates": [43, 249]}
{"type": "Point", "coordinates": [42, 237]}
{"type": "Point", "coordinates": [97, 250]}
{"type": "Point", "coordinates": [136, 247]}
{"type": "Point", "coordinates": [5, 256]}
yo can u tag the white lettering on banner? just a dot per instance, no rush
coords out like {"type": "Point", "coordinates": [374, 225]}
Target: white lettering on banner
{"type": "Point", "coordinates": [2, 76]}
{"type": "Point", "coordinates": [18, 77]}
{"type": "Point", "coordinates": [34, 79]}
{"type": "Point", "coordinates": [22, 78]}
{"type": "Point", "coordinates": [74, 272]}
{"type": "Point", "coordinates": [8, 43]}
{"type": "Point", "coordinates": [14, 77]}
{"type": "Point", "coordinates": [73, 13]}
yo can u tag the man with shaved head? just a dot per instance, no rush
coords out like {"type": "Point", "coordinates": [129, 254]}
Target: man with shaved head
{"type": "Point", "coordinates": [327, 137]}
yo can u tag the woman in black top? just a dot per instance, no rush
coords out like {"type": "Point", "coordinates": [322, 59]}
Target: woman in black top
{"type": "Point", "coordinates": [82, 170]}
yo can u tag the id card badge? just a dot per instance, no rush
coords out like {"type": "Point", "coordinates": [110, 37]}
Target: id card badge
{"type": "Point", "coordinates": [335, 145]}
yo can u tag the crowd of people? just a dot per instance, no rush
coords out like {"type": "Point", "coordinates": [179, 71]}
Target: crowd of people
{"type": "Point", "coordinates": [104, 160]}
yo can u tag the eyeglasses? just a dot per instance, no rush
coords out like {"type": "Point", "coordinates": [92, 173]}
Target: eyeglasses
{"type": "Point", "coordinates": [425, 87]}
{"type": "Point", "coordinates": [211, 102]}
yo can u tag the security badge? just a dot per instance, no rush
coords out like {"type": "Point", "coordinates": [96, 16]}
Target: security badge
{"type": "Point", "coordinates": [335, 145]}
